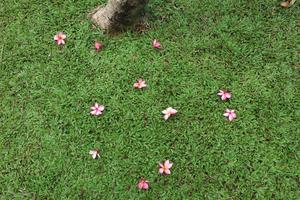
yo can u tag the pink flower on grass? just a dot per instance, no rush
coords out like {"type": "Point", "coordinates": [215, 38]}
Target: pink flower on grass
{"type": "Point", "coordinates": [143, 184]}
{"type": "Point", "coordinates": [95, 153]}
{"type": "Point", "coordinates": [60, 38]}
{"type": "Point", "coordinates": [169, 112]}
{"type": "Point", "coordinates": [98, 46]}
{"type": "Point", "coordinates": [140, 84]}
{"type": "Point", "coordinates": [230, 114]}
{"type": "Point", "coordinates": [225, 95]}
{"type": "Point", "coordinates": [97, 109]}
{"type": "Point", "coordinates": [165, 168]}
{"type": "Point", "coordinates": [156, 44]}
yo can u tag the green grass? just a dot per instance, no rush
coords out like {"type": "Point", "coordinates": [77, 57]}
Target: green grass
{"type": "Point", "coordinates": [249, 47]}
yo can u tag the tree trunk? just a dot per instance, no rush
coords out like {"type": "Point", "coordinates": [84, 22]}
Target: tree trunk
{"type": "Point", "coordinates": [288, 3]}
{"type": "Point", "coordinates": [117, 15]}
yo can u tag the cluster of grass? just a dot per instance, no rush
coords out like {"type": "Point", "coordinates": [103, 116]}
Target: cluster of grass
{"type": "Point", "coordinates": [249, 47]}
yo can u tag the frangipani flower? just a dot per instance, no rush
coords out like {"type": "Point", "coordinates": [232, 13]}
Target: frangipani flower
{"type": "Point", "coordinates": [156, 44]}
{"type": "Point", "coordinates": [98, 46]}
{"type": "Point", "coordinates": [60, 38]}
{"type": "Point", "coordinates": [230, 114]}
{"type": "Point", "coordinates": [165, 168]}
{"type": "Point", "coordinates": [95, 153]}
{"type": "Point", "coordinates": [143, 184]}
{"type": "Point", "coordinates": [140, 84]}
{"type": "Point", "coordinates": [97, 109]}
{"type": "Point", "coordinates": [225, 95]}
{"type": "Point", "coordinates": [169, 112]}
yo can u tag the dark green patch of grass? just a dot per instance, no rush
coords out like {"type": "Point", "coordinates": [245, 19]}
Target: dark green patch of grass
{"type": "Point", "coordinates": [46, 131]}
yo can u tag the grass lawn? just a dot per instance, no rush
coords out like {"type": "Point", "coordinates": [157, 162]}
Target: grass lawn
{"type": "Point", "coordinates": [46, 130]}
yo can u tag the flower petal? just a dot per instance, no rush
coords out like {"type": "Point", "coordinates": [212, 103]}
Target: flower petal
{"type": "Point", "coordinates": [91, 152]}
{"type": "Point", "coordinates": [228, 95]}
{"type": "Point", "coordinates": [140, 185]}
{"type": "Point", "coordinates": [161, 170]}
{"type": "Point", "coordinates": [63, 36]}
{"type": "Point", "coordinates": [145, 186]}
{"type": "Point", "coordinates": [101, 107]}
{"type": "Point", "coordinates": [166, 117]}
{"type": "Point", "coordinates": [168, 164]}
{"type": "Point", "coordinates": [173, 111]}
{"type": "Point", "coordinates": [165, 112]}
{"type": "Point", "coordinates": [233, 115]}
{"type": "Point", "coordinates": [221, 92]}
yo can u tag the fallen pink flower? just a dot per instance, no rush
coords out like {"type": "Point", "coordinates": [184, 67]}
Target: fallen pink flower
{"type": "Point", "coordinates": [140, 84]}
{"type": "Point", "coordinates": [60, 38]}
{"type": "Point", "coordinates": [165, 168]}
{"type": "Point", "coordinates": [225, 95]}
{"type": "Point", "coordinates": [95, 153]}
{"type": "Point", "coordinates": [143, 184]}
{"type": "Point", "coordinates": [97, 109]}
{"type": "Point", "coordinates": [98, 46]}
{"type": "Point", "coordinates": [156, 44]}
{"type": "Point", "coordinates": [230, 114]}
{"type": "Point", "coordinates": [169, 112]}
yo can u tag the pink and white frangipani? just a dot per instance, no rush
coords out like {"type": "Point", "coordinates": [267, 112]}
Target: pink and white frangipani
{"type": "Point", "coordinates": [230, 114]}
{"type": "Point", "coordinates": [98, 46]}
{"type": "Point", "coordinates": [140, 84]}
{"type": "Point", "coordinates": [156, 44]}
{"type": "Point", "coordinates": [143, 184]}
{"type": "Point", "coordinates": [165, 167]}
{"type": "Point", "coordinates": [60, 38]}
{"type": "Point", "coordinates": [169, 112]}
{"type": "Point", "coordinates": [97, 109]}
{"type": "Point", "coordinates": [95, 153]}
{"type": "Point", "coordinates": [224, 95]}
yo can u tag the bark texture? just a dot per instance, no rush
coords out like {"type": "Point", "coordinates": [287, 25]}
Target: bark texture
{"type": "Point", "coordinates": [288, 3]}
{"type": "Point", "coordinates": [117, 15]}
